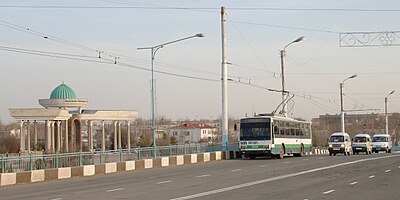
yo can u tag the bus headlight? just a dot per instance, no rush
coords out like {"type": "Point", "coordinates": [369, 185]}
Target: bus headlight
{"type": "Point", "coordinates": [342, 145]}
{"type": "Point", "coordinates": [330, 145]}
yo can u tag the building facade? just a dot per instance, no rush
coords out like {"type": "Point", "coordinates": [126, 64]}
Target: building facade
{"type": "Point", "coordinates": [192, 133]}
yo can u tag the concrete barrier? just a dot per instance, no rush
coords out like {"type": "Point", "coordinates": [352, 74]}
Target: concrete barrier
{"type": "Point", "coordinates": [86, 170]}
{"type": "Point", "coordinates": [64, 172]}
{"type": "Point", "coordinates": [90, 170]}
{"type": "Point", "coordinates": [37, 175]}
{"type": "Point", "coordinates": [203, 157]}
{"type": "Point", "coordinates": [126, 166]}
{"type": "Point", "coordinates": [161, 162]}
{"type": "Point", "coordinates": [190, 159]}
{"type": "Point", "coordinates": [110, 168]}
{"type": "Point", "coordinates": [8, 179]}
{"type": "Point", "coordinates": [144, 164]}
{"type": "Point", "coordinates": [23, 177]}
{"type": "Point", "coordinates": [50, 174]}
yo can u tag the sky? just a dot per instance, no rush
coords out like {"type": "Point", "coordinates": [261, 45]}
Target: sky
{"type": "Point", "coordinates": [44, 43]}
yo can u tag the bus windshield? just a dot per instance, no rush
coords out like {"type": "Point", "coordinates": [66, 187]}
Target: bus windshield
{"type": "Point", "coordinates": [255, 131]}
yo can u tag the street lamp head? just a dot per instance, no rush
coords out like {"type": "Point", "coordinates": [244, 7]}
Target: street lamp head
{"type": "Point", "coordinates": [299, 39]}
{"type": "Point", "coordinates": [354, 76]}
{"type": "Point", "coordinates": [391, 92]}
{"type": "Point", "coordinates": [199, 35]}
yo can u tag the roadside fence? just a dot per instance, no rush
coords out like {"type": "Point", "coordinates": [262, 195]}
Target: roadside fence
{"type": "Point", "coordinates": [35, 161]}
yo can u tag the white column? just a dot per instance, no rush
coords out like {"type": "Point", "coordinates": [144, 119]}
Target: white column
{"type": "Point", "coordinates": [129, 135]}
{"type": "Point", "coordinates": [103, 136]}
{"type": "Point", "coordinates": [52, 137]}
{"type": "Point", "coordinates": [119, 135]}
{"type": "Point", "coordinates": [36, 136]}
{"type": "Point", "coordinates": [21, 137]}
{"type": "Point", "coordinates": [90, 135]}
{"type": "Point", "coordinates": [48, 136]}
{"type": "Point", "coordinates": [115, 135]}
{"type": "Point", "coordinates": [28, 133]}
{"type": "Point", "coordinates": [66, 136]}
{"type": "Point", "coordinates": [58, 136]}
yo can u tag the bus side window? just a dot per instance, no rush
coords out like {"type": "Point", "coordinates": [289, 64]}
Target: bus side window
{"type": "Point", "coordinates": [276, 130]}
{"type": "Point", "coordinates": [287, 131]}
{"type": "Point", "coordinates": [282, 131]}
{"type": "Point", "coordinates": [292, 131]}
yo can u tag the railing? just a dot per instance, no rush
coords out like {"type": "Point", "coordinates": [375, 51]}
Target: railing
{"type": "Point", "coordinates": [32, 161]}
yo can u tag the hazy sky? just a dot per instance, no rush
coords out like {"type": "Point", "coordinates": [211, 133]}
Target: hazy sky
{"type": "Point", "coordinates": [314, 67]}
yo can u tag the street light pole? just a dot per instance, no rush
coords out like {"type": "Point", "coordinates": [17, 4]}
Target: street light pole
{"type": "Point", "coordinates": [341, 102]}
{"type": "Point", "coordinates": [284, 92]}
{"type": "Point", "coordinates": [154, 50]}
{"type": "Point", "coordinates": [386, 114]}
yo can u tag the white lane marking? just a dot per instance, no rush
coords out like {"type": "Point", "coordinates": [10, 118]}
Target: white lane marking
{"type": "Point", "coordinates": [306, 159]}
{"type": "Point", "coordinates": [117, 189]}
{"type": "Point", "coordinates": [267, 166]}
{"type": "Point", "coordinates": [287, 162]}
{"type": "Point", "coordinates": [329, 191]}
{"type": "Point", "coordinates": [320, 158]}
{"type": "Point", "coordinates": [388, 170]}
{"type": "Point", "coordinates": [236, 170]}
{"type": "Point", "coordinates": [162, 182]}
{"type": "Point", "coordinates": [248, 184]}
{"type": "Point", "coordinates": [372, 176]}
{"type": "Point", "coordinates": [353, 183]}
{"type": "Point", "coordinates": [204, 175]}
{"type": "Point", "coordinates": [56, 199]}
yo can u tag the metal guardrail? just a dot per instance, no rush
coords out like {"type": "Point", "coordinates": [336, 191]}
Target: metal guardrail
{"type": "Point", "coordinates": [32, 161]}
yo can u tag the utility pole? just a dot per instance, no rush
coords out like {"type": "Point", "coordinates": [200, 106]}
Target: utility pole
{"type": "Point", "coordinates": [224, 80]}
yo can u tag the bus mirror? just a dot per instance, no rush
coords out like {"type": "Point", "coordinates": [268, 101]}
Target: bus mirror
{"type": "Point", "coordinates": [235, 127]}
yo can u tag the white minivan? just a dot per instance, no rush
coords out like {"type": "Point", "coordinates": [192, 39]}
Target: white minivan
{"type": "Point", "coordinates": [339, 142]}
{"type": "Point", "coordinates": [382, 142]}
{"type": "Point", "coordinates": [362, 143]}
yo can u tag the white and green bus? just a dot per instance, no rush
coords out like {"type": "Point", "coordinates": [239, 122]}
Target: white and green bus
{"type": "Point", "coordinates": [269, 135]}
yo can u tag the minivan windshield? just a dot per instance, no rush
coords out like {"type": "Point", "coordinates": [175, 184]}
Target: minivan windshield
{"type": "Point", "coordinates": [336, 139]}
{"type": "Point", "coordinates": [360, 139]}
{"type": "Point", "coordinates": [379, 139]}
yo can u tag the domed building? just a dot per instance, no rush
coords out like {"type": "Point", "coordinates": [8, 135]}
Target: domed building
{"type": "Point", "coordinates": [65, 119]}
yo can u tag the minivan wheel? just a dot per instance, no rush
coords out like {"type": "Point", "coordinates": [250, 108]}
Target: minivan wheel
{"type": "Point", "coordinates": [390, 151]}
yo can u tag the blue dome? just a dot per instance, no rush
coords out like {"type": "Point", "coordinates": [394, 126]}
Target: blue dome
{"type": "Point", "coordinates": [63, 91]}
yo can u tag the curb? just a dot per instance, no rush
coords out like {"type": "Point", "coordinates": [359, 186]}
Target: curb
{"type": "Point", "coordinates": [7, 179]}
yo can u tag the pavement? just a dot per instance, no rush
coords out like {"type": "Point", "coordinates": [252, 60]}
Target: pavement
{"type": "Point", "coordinates": [375, 176]}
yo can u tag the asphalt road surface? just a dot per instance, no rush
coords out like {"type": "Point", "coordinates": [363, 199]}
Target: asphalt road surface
{"type": "Point", "coordinates": [375, 176]}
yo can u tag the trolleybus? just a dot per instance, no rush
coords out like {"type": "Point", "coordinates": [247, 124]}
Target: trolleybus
{"type": "Point", "coordinates": [270, 135]}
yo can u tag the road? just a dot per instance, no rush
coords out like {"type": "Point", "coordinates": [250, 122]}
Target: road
{"type": "Point", "coordinates": [375, 176]}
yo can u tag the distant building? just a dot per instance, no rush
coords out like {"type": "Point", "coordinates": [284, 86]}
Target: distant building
{"type": "Point", "coordinates": [192, 133]}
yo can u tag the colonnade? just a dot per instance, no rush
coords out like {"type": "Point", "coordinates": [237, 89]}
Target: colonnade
{"type": "Point", "coordinates": [25, 143]}
{"type": "Point", "coordinates": [53, 136]}
{"type": "Point", "coordinates": [66, 135]}
{"type": "Point", "coordinates": [117, 134]}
